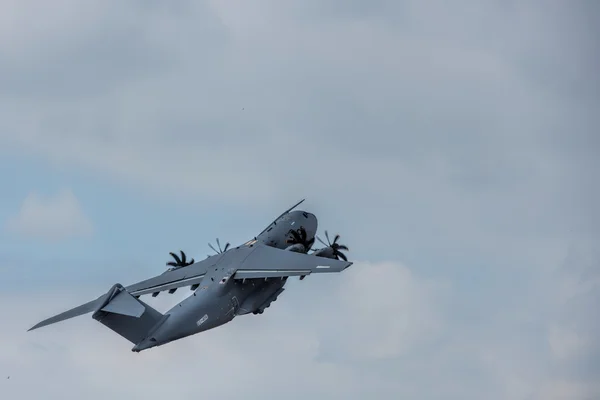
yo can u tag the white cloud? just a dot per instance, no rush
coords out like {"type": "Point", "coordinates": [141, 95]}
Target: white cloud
{"type": "Point", "coordinates": [52, 218]}
{"type": "Point", "coordinates": [560, 389]}
{"type": "Point", "coordinates": [373, 97]}
{"type": "Point", "coordinates": [390, 312]}
{"type": "Point", "coordinates": [464, 142]}
{"type": "Point", "coordinates": [412, 115]}
{"type": "Point", "coordinates": [566, 343]}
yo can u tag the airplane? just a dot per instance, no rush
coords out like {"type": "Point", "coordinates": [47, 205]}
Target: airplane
{"type": "Point", "coordinates": [235, 281]}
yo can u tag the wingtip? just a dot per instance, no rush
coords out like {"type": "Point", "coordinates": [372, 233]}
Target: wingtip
{"type": "Point", "coordinates": [36, 326]}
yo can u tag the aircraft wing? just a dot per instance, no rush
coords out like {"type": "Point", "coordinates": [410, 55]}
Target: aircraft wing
{"type": "Point", "coordinates": [270, 262]}
{"type": "Point", "coordinates": [180, 277]}
{"type": "Point", "coordinates": [253, 261]}
{"type": "Point", "coordinates": [250, 262]}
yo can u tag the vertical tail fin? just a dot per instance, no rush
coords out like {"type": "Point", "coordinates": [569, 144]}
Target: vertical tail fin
{"type": "Point", "coordinates": [124, 314]}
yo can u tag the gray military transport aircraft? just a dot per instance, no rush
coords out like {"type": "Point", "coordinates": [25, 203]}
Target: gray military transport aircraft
{"type": "Point", "coordinates": [236, 281]}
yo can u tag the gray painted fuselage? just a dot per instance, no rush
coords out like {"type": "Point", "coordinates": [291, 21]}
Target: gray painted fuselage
{"type": "Point", "coordinates": [218, 299]}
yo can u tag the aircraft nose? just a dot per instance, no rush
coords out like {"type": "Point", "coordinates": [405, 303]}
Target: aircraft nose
{"type": "Point", "coordinates": [311, 224]}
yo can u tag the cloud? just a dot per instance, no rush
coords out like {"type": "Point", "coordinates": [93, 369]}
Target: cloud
{"type": "Point", "coordinates": [414, 123]}
{"type": "Point", "coordinates": [461, 144]}
{"type": "Point", "coordinates": [378, 95]}
{"type": "Point", "coordinates": [51, 218]}
{"type": "Point", "coordinates": [414, 112]}
{"type": "Point", "coordinates": [384, 326]}
{"type": "Point", "coordinates": [573, 330]}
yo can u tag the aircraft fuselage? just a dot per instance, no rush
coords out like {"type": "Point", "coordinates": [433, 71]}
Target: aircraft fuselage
{"type": "Point", "coordinates": [218, 299]}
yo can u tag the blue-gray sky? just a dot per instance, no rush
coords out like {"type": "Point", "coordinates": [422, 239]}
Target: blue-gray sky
{"type": "Point", "coordinates": [454, 147]}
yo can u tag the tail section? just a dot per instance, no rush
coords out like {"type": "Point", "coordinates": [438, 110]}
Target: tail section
{"type": "Point", "coordinates": [119, 311]}
{"type": "Point", "coordinates": [124, 314]}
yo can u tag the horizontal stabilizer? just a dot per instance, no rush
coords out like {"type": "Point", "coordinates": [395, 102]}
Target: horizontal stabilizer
{"type": "Point", "coordinates": [74, 312]}
{"type": "Point", "coordinates": [114, 301]}
{"type": "Point", "coordinates": [124, 304]}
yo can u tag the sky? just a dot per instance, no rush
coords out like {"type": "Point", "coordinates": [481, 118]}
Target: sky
{"type": "Point", "coordinates": [454, 147]}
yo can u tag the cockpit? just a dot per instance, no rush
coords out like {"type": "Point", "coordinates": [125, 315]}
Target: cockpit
{"type": "Point", "coordinates": [284, 229]}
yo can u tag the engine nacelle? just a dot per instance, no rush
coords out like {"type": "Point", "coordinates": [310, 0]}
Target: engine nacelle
{"type": "Point", "coordinates": [297, 248]}
{"type": "Point", "coordinates": [326, 252]}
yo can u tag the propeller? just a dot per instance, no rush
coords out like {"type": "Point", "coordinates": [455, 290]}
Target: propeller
{"type": "Point", "coordinates": [179, 262]}
{"type": "Point", "coordinates": [334, 246]}
{"type": "Point", "coordinates": [223, 250]}
{"type": "Point", "coordinates": [298, 236]}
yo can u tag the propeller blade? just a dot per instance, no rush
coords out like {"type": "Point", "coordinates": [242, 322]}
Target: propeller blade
{"type": "Point", "coordinates": [183, 257]}
{"type": "Point", "coordinates": [327, 236]}
{"type": "Point", "coordinates": [342, 256]}
{"type": "Point", "coordinates": [191, 261]}
{"type": "Point", "coordinates": [319, 239]}
{"type": "Point", "coordinates": [336, 238]}
{"type": "Point", "coordinates": [294, 237]}
{"type": "Point", "coordinates": [342, 247]}
{"type": "Point", "coordinates": [177, 260]}
{"type": "Point", "coordinates": [302, 233]}
{"type": "Point", "coordinates": [172, 264]}
{"type": "Point", "coordinates": [221, 249]}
